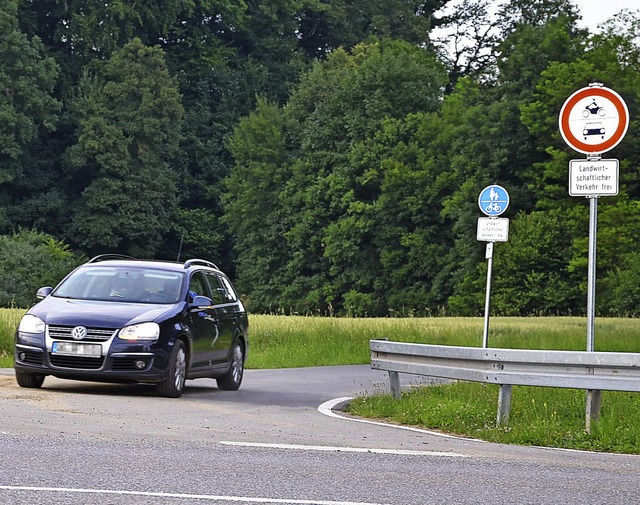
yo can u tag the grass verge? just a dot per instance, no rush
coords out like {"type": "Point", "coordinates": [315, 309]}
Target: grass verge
{"type": "Point", "coordinates": [547, 417]}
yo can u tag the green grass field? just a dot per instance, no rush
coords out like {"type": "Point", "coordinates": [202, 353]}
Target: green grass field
{"type": "Point", "coordinates": [9, 320]}
{"type": "Point", "coordinates": [297, 341]}
{"type": "Point", "coordinates": [539, 416]}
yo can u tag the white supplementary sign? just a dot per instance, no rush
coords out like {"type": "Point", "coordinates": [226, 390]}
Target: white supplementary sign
{"type": "Point", "coordinates": [493, 229]}
{"type": "Point", "coordinates": [593, 178]}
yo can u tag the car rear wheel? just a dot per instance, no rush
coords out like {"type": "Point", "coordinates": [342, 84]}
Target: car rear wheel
{"type": "Point", "coordinates": [173, 386]}
{"type": "Point", "coordinates": [29, 380]}
{"type": "Point", "coordinates": [233, 378]}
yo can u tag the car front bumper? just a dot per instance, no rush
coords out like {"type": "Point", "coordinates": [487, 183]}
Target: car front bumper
{"type": "Point", "coordinates": [118, 361]}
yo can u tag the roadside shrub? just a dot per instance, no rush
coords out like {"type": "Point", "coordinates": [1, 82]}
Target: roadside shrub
{"type": "Point", "coordinates": [358, 304]}
{"type": "Point", "coordinates": [31, 259]}
{"type": "Point", "coordinates": [620, 290]}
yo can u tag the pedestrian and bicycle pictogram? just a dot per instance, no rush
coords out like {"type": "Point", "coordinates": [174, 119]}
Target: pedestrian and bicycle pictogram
{"type": "Point", "coordinates": [493, 200]}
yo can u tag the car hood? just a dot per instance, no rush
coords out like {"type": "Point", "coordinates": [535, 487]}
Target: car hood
{"type": "Point", "coordinates": [66, 312]}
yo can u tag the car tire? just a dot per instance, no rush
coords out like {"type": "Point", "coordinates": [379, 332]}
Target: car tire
{"type": "Point", "coordinates": [29, 380]}
{"type": "Point", "coordinates": [233, 378]}
{"type": "Point", "coordinates": [173, 386]}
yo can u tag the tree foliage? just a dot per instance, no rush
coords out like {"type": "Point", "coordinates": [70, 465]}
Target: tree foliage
{"type": "Point", "coordinates": [129, 131]}
{"type": "Point", "coordinates": [28, 110]}
{"type": "Point", "coordinates": [329, 155]}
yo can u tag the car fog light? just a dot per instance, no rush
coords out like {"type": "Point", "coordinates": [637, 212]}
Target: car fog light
{"type": "Point", "coordinates": [22, 356]}
{"type": "Point", "coordinates": [140, 364]}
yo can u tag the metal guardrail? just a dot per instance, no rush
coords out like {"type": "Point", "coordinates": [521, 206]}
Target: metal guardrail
{"type": "Point", "coordinates": [592, 371]}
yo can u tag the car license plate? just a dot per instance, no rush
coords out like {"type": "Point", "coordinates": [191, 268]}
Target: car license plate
{"type": "Point", "coordinates": [75, 349]}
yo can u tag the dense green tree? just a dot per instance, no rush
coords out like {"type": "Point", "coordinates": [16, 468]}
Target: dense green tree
{"type": "Point", "coordinates": [400, 238]}
{"type": "Point", "coordinates": [350, 186]}
{"type": "Point", "coordinates": [28, 110]}
{"type": "Point", "coordinates": [224, 54]}
{"type": "Point", "coordinates": [326, 26]}
{"type": "Point", "coordinates": [615, 61]}
{"type": "Point", "coordinates": [129, 132]}
{"type": "Point", "coordinates": [253, 210]}
{"type": "Point", "coordinates": [514, 15]}
{"type": "Point", "coordinates": [532, 272]}
{"type": "Point", "coordinates": [379, 82]}
{"type": "Point", "coordinates": [339, 104]}
{"type": "Point", "coordinates": [494, 144]}
{"type": "Point", "coordinates": [219, 72]}
{"type": "Point", "coordinates": [95, 29]}
{"type": "Point", "coordinates": [380, 202]}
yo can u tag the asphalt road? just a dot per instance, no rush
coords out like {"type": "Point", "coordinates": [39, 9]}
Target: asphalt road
{"type": "Point", "coordinates": [276, 441]}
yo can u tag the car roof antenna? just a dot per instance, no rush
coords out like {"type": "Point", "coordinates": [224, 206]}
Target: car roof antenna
{"type": "Point", "coordinates": [180, 247]}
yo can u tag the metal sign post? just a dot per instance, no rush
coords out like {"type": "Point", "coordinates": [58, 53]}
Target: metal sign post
{"type": "Point", "coordinates": [493, 201]}
{"type": "Point", "coordinates": [487, 299]}
{"type": "Point", "coordinates": [591, 273]}
{"type": "Point", "coordinates": [592, 121]}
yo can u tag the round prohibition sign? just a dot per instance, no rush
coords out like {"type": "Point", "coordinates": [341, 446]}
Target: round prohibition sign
{"type": "Point", "coordinates": [594, 120]}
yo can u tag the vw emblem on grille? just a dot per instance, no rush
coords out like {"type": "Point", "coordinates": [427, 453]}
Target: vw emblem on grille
{"type": "Point", "coordinates": [78, 333]}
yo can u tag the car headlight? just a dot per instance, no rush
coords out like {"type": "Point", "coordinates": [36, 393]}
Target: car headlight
{"type": "Point", "coordinates": [142, 331]}
{"type": "Point", "coordinates": [31, 324]}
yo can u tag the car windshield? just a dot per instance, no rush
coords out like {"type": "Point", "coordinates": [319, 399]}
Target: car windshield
{"type": "Point", "coordinates": [122, 284]}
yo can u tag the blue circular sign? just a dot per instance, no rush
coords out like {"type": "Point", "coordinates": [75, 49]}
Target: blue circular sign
{"type": "Point", "coordinates": [493, 200]}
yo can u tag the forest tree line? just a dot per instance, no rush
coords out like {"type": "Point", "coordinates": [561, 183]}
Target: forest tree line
{"type": "Point", "coordinates": [328, 155]}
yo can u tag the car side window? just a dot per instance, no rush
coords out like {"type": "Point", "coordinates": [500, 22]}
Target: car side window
{"type": "Point", "coordinates": [231, 294]}
{"type": "Point", "coordinates": [218, 291]}
{"type": "Point", "coordinates": [198, 286]}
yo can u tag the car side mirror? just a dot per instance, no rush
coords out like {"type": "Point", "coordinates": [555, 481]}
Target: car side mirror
{"type": "Point", "coordinates": [43, 292]}
{"type": "Point", "coordinates": [201, 301]}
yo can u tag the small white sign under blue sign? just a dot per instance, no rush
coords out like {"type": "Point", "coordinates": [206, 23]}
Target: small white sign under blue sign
{"type": "Point", "coordinates": [493, 200]}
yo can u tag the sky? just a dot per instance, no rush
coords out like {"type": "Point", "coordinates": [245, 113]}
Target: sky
{"type": "Point", "coordinates": [595, 12]}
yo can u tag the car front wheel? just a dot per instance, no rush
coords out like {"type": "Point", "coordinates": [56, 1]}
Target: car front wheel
{"type": "Point", "coordinates": [29, 380]}
{"type": "Point", "coordinates": [233, 378]}
{"type": "Point", "coordinates": [173, 386]}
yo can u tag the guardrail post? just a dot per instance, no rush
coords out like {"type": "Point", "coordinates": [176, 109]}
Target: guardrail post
{"type": "Point", "coordinates": [593, 408]}
{"type": "Point", "coordinates": [504, 404]}
{"type": "Point", "coordinates": [394, 378]}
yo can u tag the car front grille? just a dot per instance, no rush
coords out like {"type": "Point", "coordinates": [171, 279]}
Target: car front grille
{"type": "Point", "coordinates": [78, 362]}
{"type": "Point", "coordinates": [93, 334]}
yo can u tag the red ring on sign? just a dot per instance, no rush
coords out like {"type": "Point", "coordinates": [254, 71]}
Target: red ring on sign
{"type": "Point", "coordinates": [615, 139]}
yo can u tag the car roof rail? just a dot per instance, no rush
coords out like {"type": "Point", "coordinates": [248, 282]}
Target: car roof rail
{"type": "Point", "coordinates": [106, 257]}
{"type": "Point", "coordinates": [197, 261]}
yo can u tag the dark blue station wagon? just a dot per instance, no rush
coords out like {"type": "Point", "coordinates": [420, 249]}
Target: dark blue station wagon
{"type": "Point", "coordinates": [119, 319]}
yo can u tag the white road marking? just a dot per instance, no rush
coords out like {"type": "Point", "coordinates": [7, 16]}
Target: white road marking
{"type": "Point", "coordinates": [327, 409]}
{"type": "Point", "coordinates": [238, 499]}
{"type": "Point", "coordinates": [327, 448]}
